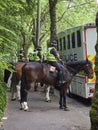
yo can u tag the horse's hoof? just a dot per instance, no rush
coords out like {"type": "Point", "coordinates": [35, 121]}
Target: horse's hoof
{"type": "Point", "coordinates": [13, 99]}
{"type": "Point", "coordinates": [25, 109]}
{"type": "Point", "coordinates": [60, 107]}
{"type": "Point", "coordinates": [21, 109]}
{"type": "Point", "coordinates": [66, 109]}
{"type": "Point", "coordinates": [65, 106]}
{"type": "Point", "coordinates": [18, 98]}
{"type": "Point", "coordinates": [48, 100]}
{"type": "Point", "coordinates": [35, 90]}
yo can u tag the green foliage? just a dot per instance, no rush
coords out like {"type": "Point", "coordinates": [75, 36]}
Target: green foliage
{"type": "Point", "coordinates": [94, 112]}
{"type": "Point", "coordinates": [75, 13]}
{"type": "Point", "coordinates": [3, 97]}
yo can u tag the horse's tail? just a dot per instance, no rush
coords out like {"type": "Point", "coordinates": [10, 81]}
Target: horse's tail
{"type": "Point", "coordinates": [7, 72]}
{"type": "Point", "coordinates": [23, 77]}
{"type": "Point", "coordinates": [23, 90]}
{"type": "Point", "coordinates": [14, 82]}
{"type": "Point", "coordinates": [6, 75]}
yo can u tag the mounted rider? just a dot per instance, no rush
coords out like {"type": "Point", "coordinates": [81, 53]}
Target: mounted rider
{"type": "Point", "coordinates": [35, 55]}
{"type": "Point", "coordinates": [53, 58]}
{"type": "Point", "coordinates": [31, 56]}
{"type": "Point", "coordinates": [21, 57]}
{"type": "Point", "coordinates": [39, 56]}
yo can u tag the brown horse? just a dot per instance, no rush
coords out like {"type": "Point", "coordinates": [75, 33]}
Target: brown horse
{"type": "Point", "coordinates": [40, 72]}
{"type": "Point", "coordinates": [12, 79]}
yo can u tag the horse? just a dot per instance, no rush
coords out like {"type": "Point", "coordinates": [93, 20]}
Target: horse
{"type": "Point", "coordinates": [40, 72]}
{"type": "Point", "coordinates": [12, 79]}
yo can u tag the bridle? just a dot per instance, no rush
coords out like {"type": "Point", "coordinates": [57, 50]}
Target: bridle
{"type": "Point", "coordinates": [88, 71]}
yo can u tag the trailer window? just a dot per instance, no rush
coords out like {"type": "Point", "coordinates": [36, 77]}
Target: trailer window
{"type": "Point", "coordinates": [73, 40]}
{"type": "Point", "coordinates": [60, 43]}
{"type": "Point", "coordinates": [68, 43]}
{"type": "Point", "coordinates": [78, 38]}
{"type": "Point", "coordinates": [64, 43]}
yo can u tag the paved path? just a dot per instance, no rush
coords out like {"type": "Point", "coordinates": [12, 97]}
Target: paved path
{"type": "Point", "coordinates": [46, 116]}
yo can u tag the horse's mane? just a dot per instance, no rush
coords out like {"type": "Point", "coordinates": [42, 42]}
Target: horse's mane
{"type": "Point", "coordinates": [75, 63]}
{"type": "Point", "coordinates": [15, 63]}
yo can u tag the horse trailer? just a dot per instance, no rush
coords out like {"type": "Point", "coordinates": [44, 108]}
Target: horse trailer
{"type": "Point", "coordinates": [78, 43]}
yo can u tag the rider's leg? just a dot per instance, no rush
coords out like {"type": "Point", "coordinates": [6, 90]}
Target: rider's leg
{"type": "Point", "coordinates": [60, 74]}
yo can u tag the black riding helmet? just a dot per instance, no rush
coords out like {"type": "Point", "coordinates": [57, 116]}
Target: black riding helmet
{"type": "Point", "coordinates": [54, 43]}
{"type": "Point", "coordinates": [34, 50]}
{"type": "Point", "coordinates": [39, 48]}
{"type": "Point", "coordinates": [21, 51]}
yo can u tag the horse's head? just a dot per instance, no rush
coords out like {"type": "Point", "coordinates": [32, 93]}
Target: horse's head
{"type": "Point", "coordinates": [88, 69]}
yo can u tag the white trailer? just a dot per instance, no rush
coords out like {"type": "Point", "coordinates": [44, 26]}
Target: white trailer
{"type": "Point", "coordinates": [78, 43]}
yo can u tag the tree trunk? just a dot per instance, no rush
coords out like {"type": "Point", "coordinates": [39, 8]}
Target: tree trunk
{"type": "Point", "coordinates": [94, 106]}
{"type": "Point", "coordinates": [53, 27]}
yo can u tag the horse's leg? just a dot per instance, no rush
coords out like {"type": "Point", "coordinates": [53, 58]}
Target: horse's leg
{"type": "Point", "coordinates": [23, 101]}
{"type": "Point", "coordinates": [47, 94]}
{"type": "Point", "coordinates": [36, 87]}
{"type": "Point", "coordinates": [18, 90]}
{"type": "Point", "coordinates": [13, 95]}
{"type": "Point", "coordinates": [60, 101]}
{"type": "Point", "coordinates": [23, 93]}
{"type": "Point", "coordinates": [52, 90]}
{"type": "Point", "coordinates": [9, 81]}
{"type": "Point", "coordinates": [13, 88]}
{"type": "Point", "coordinates": [64, 99]}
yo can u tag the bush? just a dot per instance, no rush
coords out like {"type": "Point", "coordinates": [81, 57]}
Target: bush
{"type": "Point", "coordinates": [3, 97]}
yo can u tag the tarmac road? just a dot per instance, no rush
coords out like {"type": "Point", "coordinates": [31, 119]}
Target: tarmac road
{"type": "Point", "coordinates": [46, 116]}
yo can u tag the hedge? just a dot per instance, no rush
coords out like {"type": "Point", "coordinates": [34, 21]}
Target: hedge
{"type": "Point", "coordinates": [3, 97]}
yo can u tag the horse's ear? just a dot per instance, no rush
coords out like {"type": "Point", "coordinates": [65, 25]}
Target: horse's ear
{"type": "Point", "coordinates": [87, 59]}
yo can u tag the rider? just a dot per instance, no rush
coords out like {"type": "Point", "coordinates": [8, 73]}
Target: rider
{"type": "Point", "coordinates": [31, 55]}
{"type": "Point", "coordinates": [21, 57]}
{"type": "Point", "coordinates": [53, 57]}
{"type": "Point", "coordinates": [38, 55]}
{"type": "Point", "coordinates": [35, 55]}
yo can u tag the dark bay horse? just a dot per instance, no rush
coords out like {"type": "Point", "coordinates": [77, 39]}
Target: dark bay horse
{"type": "Point", "coordinates": [40, 72]}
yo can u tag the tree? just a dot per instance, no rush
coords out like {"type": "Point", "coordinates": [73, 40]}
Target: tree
{"type": "Point", "coordinates": [53, 26]}
{"type": "Point", "coordinates": [94, 106]}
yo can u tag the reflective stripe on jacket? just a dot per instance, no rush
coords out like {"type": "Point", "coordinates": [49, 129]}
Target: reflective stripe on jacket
{"type": "Point", "coordinates": [31, 56]}
{"type": "Point", "coordinates": [50, 57]}
{"type": "Point", "coordinates": [36, 57]}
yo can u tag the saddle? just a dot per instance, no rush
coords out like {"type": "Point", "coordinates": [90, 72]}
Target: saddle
{"type": "Point", "coordinates": [51, 68]}
{"type": "Point", "coordinates": [53, 71]}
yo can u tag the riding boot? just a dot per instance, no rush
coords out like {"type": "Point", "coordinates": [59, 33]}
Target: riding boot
{"type": "Point", "coordinates": [61, 81]}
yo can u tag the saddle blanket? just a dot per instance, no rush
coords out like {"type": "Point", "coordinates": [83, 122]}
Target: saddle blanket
{"type": "Point", "coordinates": [52, 69]}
